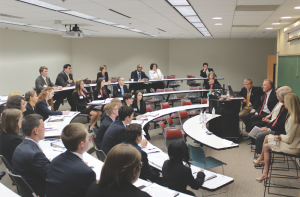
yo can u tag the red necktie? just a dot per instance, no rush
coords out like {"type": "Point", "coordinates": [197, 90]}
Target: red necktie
{"type": "Point", "coordinates": [262, 107]}
{"type": "Point", "coordinates": [277, 117]}
{"type": "Point", "coordinates": [211, 86]}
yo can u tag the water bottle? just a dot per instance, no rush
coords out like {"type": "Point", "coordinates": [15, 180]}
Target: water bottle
{"type": "Point", "coordinates": [213, 112]}
{"type": "Point", "coordinates": [204, 116]}
{"type": "Point", "coordinates": [201, 117]}
{"type": "Point", "coordinates": [228, 95]}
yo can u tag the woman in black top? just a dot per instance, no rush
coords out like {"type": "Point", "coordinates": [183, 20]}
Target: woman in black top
{"type": "Point", "coordinates": [121, 169]}
{"type": "Point", "coordinates": [81, 103]}
{"type": "Point", "coordinates": [100, 92]}
{"type": "Point", "coordinates": [10, 136]}
{"type": "Point", "coordinates": [16, 102]}
{"type": "Point", "coordinates": [211, 75]}
{"type": "Point", "coordinates": [176, 175]}
{"type": "Point", "coordinates": [31, 98]}
{"type": "Point", "coordinates": [103, 74]}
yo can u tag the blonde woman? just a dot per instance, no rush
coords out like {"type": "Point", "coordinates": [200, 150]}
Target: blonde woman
{"type": "Point", "coordinates": [31, 98]}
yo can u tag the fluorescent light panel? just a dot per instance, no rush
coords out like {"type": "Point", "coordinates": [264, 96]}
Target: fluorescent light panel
{"type": "Point", "coordinates": [218, 24]}
{"type": "Point", "coordinates": [297, 7]}
{"type": "Point", "coordinates": [269, 28]}
{"type": "Point", "coordinates": [186, 10]}
{"type": "Point", "coordinates": [198, 24]}
{"type": "Point", "coordinates": [105, 22]}
{"type": "Point", "coordinates": [78, 14]}
{"type": "Point", "coordinates": [12, 23]}
{"type": "Point", "coordinates": [44, 4]}
{"type": "Point", "coordinates": [276, 23]}
{"type": "Point", "coordinates": [286, 17]}
{"type": "Point", "coordinates": [178, 2]}
{"type": "Point", "coordinates": [27, 25]}
{"type": "Point", "coordinates": [193, 19]}
{"type": "Point", "coordinates": [122, 26]}
{"type": "Point", "coordinates": [40, 27]}
{"type": "Point", "coordinates": [217, 18]}
{"type": "Point", "coordinates": [136, 30]}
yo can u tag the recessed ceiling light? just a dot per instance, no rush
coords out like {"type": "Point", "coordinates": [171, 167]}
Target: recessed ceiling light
{"type": "Point", "coordinates": [135, 30]}
{"type": "Point", "coordinates": [193, 19]}
{"type": "Point", "coordinates": [298, 7]}
{"type": "Point", "coordinates": [122, 26]}
{"type": "Point", "coordinates": [202, 29]}
{"type": "Point", "coordinates": [78, 14]}
{"type": "Point", "coordinates": [44, 4]}
{"type": "Point", "coordinates": [286, 17]}
{"type": "Point", "coordinates": [217, 18]}
{"type": "Point", "coordinates": [178, 2]}
{"type": "Point", "coordinates": [12, 23]}
{"type": "Point", "coordinates": [269, 28]}
{"type": "Point", "coordinates": [276, 23]}
{"type": "Point", "coordinates": [218, 24]}
{"type": "Point", "coordinates": [105, 22]}
{"type": "Point", "coordinates": [198, 24]}
{"type": "Point", "coordinates": [186, 10]}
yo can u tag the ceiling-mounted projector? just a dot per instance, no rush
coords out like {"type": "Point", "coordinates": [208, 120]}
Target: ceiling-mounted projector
{"type": "Point", "coordinates": [75, 32]}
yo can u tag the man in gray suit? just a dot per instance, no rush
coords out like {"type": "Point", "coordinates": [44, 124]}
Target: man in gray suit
{"type": "Point", "coordinates": [43, 81]}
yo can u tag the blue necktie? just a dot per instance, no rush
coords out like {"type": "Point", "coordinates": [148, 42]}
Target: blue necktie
{"type": "Point", "coordinates": [122, 91]}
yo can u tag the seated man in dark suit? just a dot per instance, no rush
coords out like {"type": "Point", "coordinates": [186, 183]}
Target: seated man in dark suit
{"type": "Point", "coordinates": [65, 79]}
{"type": "Point", "coordinates": [139, 75]}
{"type": "Point", "coordinates": [68, 174]}
{"type": "Point", "coordinates": [111, 110]}
{"type": "Point", "coordinates": [28, 159]}
{"type": "Point", "coordinates": [268, 102]}
{"type": "Point", "coordinates": [133, 134]}
{"type": "Point", "coordinates": [43, 81]}
{"type": "Point", "coordinates": [115, 134]}
{"type": "Point", "coordinates": [120, 89]}
{"type": "Point", "coordinates": [204, 72]}
{"type": "Point", "coordinates": [251, 97]}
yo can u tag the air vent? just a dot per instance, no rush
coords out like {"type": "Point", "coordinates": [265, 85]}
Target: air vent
{"type": "Point", "coordinates": [161, 30]}
{"type": "Point", "coordinates": [10, 16]}
{"type": "Point", "coordinates": [119, 13]}
{"type": "Point", "coordinates": [245, 25]}
{"type": "Point", "coordinates": [249, 8]}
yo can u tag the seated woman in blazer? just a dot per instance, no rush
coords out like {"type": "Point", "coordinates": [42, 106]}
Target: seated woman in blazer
{"type": "Point", "coordinates": [176, 175]}
{"type": "Point", "coordinates": [103, 74]}
{"type": "Point", "coordinates": [211, 75]}
{"type": "Point", "coordinates": [10, 136]}
{"type": "Point", "coordinates": [211, 84]}
{"type": "Point", "coordinates": [44, 106]}
{"type": "Point", "coordinates": [100, 92]}
{"type": "Point", "coordinates": [81, 103]}
{"type": "Point", "coordinates": [122, 167]}
{"type": "Point", "coordinates": [32, 99]}
{"type": "Point", "coordinates": [156, 74]}
{"type": "Point", "coordinates": [289, 143]}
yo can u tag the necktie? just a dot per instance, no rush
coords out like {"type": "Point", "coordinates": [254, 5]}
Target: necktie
{"type": "Point", "coordinates": [68, 78]}
{"type": "Point", "coordinates": [122, 91]}
{"type": "Point", "coordinates": [248, 99]}
{"type": "Point", "coordinates": [262, 107]}
{"type": "Point", "coordinates": [46, 82]}
{"type": "Point", "coordinates": [139, 74]}
{"type": "Point", "coordinates": [277, 117]}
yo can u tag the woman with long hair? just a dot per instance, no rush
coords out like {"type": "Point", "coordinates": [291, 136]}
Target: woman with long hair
{"type": "Point", "coordinates": [44, 106]}
{"type": "Point", "coordinates": [176, 175]}
{"type": "Point", "coordinates": [81, 102]}
{"type": "Point", "coordinates": [16, 102]}
{"type": "Point", "coordinates": [289, 143]}
{"type": "Point", "coordinates": [138, 105]}
{"type": "Point", "coordinates": [122, 167]}
{"type": "Point", "coordinates": [31, 98]}
{"type": "Point", "coordinates": [100, 92]}
{"type": "Point", "coordinates": [103, 74]}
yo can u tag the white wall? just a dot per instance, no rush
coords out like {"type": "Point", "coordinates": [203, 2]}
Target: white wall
{"type": "Point", "coordinates": [287, 48]}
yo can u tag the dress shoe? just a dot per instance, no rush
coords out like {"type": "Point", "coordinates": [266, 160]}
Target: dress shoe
{"type": "Point", "coordinates": [246, 138]}
{"type": "Point", "coordinates": [249, 143]}
{"type": "Point", "coordinates": [253, 148]}
{"type": "Point", "coordinates": [260, 179]}
{"type": "Point", "coordinates": [256, 162]}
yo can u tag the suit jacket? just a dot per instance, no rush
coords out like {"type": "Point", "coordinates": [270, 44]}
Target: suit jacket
{"type": "Point", "coordinates": [279, 126]}
{"type": "Point", "coordinates": [29, 110]}
{"type": "Point", "coordinates": [62, 79]}
{"type": "Point", "coordinates": [115, 134]}
{"type": "Point", "coordinates": [176, 176]}
{"type": "Point", "coordinates": [8, 144]}
{"type": "Point", "coordinates": [203, 74]}
{"type": "Point", "coordinates": [40, 82]}
{"type": "Point", "coordinates": [138, 111]}
{"type": "Point", "coordinates": [134, 75]}
{"type": "Point", "coordinates": [146, 172]}
{"type": "Point", "coordinates": [117, 90]}
{"type": "Point", "coordinates": [31, 163]}
{"type": "Point", "coordinates": [99, 75]}
{"type": "Point", "coordinates": [254, 97]}
{"type": "Point", "coordinates": [102, 129]}
{"type": "Point", "coordinates": [97, 95]}
{"type": "Point", "coordinates": [80, 101]}
{"type": "Point", "coordinates": [272, 101]}
{"type": "Point", "coordinates": [125, 190]}
{"type": "Point", "coordinates": [42, 109]}
{"type": "Point", "coordinates": [68, 175]}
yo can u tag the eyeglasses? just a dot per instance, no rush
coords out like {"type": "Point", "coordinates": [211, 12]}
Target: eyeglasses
{"type": "Point", "coordinates": [141, 164]}
{"type": "Point", "coordinates": [140, 67]}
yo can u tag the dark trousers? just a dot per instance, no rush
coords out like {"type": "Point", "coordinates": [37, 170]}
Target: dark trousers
{"type": "Point", "coordinates": [251, 117]}
{"type": "Point", "coordinates": [157, 85]}
{"type": "Point", "coordinates": [258, 123]}
{"type": "Point", "coordinates": [60, 96]}
{"type": "Point", "coordinates": [139, 86]}
{"type": "Point", "coordinates": [260, 137]}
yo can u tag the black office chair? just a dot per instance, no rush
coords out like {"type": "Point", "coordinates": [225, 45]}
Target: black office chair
{"type": "Point", "coordinates": [24, 188]}
{"type": "Point", "coordinates": [8, 167]}
{"type": "Point", "coordinates": [100, 154]}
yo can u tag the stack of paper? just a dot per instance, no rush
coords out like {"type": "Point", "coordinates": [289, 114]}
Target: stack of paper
{"type": "Point", "coordinates": [50, 127]}
{"type": "Point", "coordinates": [58, 144]}
{"type": "Point", "coordinates": [152, 114]}
{"type": "Point", "coordinates": [208, 175]}
{"type": "Point", "coordinates": [151, 149]}
{"type": "Point", "coordinates": [56, 118]}
{"type": "Point", "coordinates": [156, 190]}
{"type": "Point", "coordinates": [254, 132]}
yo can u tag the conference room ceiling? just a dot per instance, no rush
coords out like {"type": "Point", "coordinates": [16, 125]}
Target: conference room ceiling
{"type": "Point", "coordinates": [246, 19]}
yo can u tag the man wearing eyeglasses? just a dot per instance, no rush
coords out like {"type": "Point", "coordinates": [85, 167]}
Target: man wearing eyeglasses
{"type": "Point", "coordinates": [139, 75]}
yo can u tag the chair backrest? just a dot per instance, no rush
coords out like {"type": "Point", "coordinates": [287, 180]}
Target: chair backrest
{"type": "Point", "coordinates": [159, 97]}
{"type": "Point", "coordinates": [162, 126]}
{"type": "Point", "coordinates": [92, 138]}
{"type": "Point", "coordinates": [183, 116]}
{"type": "Point", "coordinates": [189, 82]}
{"type": "Point", "coordinates": [169, 90]}
{"type": "Point", "coordinates": [170, 121]}
{"type": "Point", "coordinates": [94, 81]}
{"type": "Point", "coordinates": [186, 102]}
{"type": "Point", "coordinates": [203, 101]}
{"type": "Point", "coordinates": [7, 165]}
{"type": "Point", "coordinates": [172, 134]}
{"type": "Point", "coordinates": [172, 76]}
{"type": "Point", "coordinates": [190, 76]}
{"type": "Point", "coordinates": [197, 153]}
{"type": "Point", "coordinates": [149, 108]}
{"type": "Point", "coordinates": [100, 154]}
{"type": "Point", "coordinates": [193, 94]}
{"type": "Point", "coordinates": [23, 187]}
{"type": "Point", "coordinates": [165, 105]}
{"type": "Point", "coordinates": [114, 79]}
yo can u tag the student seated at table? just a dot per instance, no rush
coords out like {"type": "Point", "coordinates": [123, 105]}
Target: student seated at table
{"type": "Point", "coordinates": [122, 167]}
{"type": "Point", "coordinates": [119, 103]}
{"type": "Point", "coordinates": [32, 99]}
{"type": "Point", "coordinates": [13, 94]}
{"type": "Point", "coordinates": [133, 134]}
{"type": "Point", "coordinates": [127, 101]}
{"type": "Point", "coordinates": [289, 143]}
{"type": "Point", "coordinates": [120, 88]}
{"type": "Point", "coordinates": [44, 106]}
{"type": "Point", "coordinates": [211, 85]}
{"type": "Point", "coordinates": [100, 92]}
{"type": "Point", "coordinates": [115, 134]}
{"type": "Point", "coordinates": [156, 74]}
{"type": "Point", "coordinates": [16, 102]}
{"type": "Point", "coordinates": [81, 102]}
{"type": "Point", "coordinates": [68, 174]}
{"type": "Point", "coordinates": [28, 159]}
{"type": "Point", "coordinates": [211, 75]}
{"type": "Point", "coordinates": [103, 74]}
{"type": "Point", "coordinates": [177, 175]}
{"type": "Point", "coordinates": [112, 111]}
{"type": "Point", "coordinates": [10, 136]}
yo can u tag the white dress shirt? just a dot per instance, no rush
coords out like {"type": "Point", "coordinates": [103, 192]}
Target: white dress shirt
{"type": "Point", "coordinates": [266, 109]}
{"type": "Point", "coordinates": [158, 74]}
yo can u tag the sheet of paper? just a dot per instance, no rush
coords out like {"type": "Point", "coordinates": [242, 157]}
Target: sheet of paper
{"type": "Point", "coordinates": [254, 132]}
{"type": "Point", "coordinates": [156, 190]}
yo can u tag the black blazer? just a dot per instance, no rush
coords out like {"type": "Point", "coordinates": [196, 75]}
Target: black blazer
{"type": "Point", "coordinates": [29, 110]}
{"type": "Point", "coordinates": [42, 109]}
{"type": "Point", "coordinates": [205, 82]}
{"type": "Point", "coordinates": [215, 86]}
{"type": "Point", "coordinates": [117, 90]}
{"type": "Point", "coordinates": [102, 129]}
{"type": "Point", "coordinates": [125, 190]}
{"type": "Point", "coordinates": [176, 176]}
{"type": "Point", "coordinates": [115, 134]}
{"type": "Point", "coordinates": [79, 101]}
{"type": "Point", "coordinates": [136, 109]}
{"type": "Point", "coordinates": [99, 75]}
{"type": "Point", "coordinates": [8, 144]}
{"type": "Point", "coordinates": [279, 126]}
{"type": "Point", "coordinates": [146, 172]}
{"type": "Point", "coordinates": [134, 75]}
{"type": "Point", "coordinates": [68, 175]}
{"type": "Point", "coordinates": [62, 79]}
{"type": "Point", "coordinates": [29, 162]}
{"type": "Point", "coordinates": [254, 97]}
{"type": "Point", "coordinates": [97, 95]}
{"type": "Point", "coordinates": [272, 101]}
{"type": "Point", "coordinates": [204, 75]}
